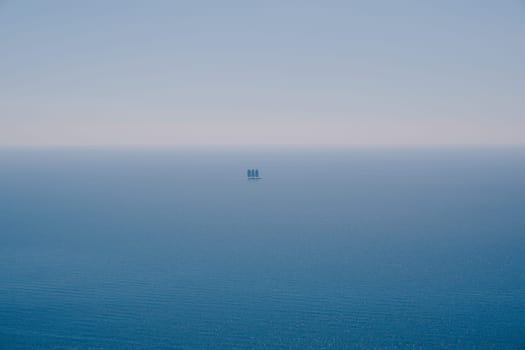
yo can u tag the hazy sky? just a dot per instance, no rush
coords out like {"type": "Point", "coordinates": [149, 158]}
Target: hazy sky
{"type": "Point", "coordinates": [262, 72]}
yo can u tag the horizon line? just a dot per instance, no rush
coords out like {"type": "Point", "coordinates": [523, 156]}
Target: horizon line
{"type": "Point", "coordinates": [294, 145]}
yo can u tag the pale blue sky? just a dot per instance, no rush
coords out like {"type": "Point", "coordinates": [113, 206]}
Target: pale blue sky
{"type": "Point", "coordinates": [262, 72]}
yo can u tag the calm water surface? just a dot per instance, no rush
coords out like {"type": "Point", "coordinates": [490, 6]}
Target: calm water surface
{"type": "Point", "coordinates": [333, 249]}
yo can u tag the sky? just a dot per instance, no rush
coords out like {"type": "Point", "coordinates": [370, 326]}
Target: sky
{"type": "Point", "coordinates": [370, 72]}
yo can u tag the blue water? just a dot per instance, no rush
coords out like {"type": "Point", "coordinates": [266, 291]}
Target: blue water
{"type": "Point", "coordinates": [332, 249]}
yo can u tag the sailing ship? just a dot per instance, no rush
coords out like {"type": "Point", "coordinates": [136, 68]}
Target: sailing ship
{"type": "Point", "coordinates": [253, 174]}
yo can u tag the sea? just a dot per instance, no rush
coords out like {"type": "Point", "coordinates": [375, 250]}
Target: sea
{"type": "Point", "coordinates": [334, 248]}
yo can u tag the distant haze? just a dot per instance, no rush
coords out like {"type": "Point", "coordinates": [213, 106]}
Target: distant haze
{"type": "Point", "coordinates": [269, 72]}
